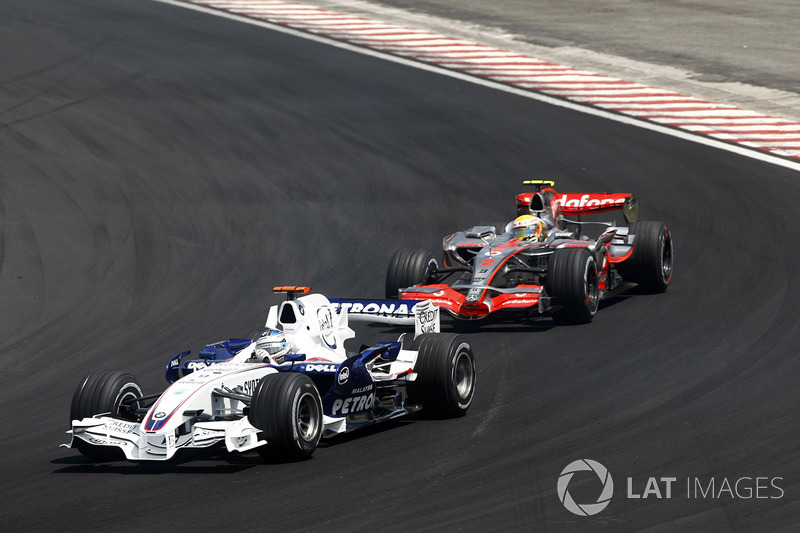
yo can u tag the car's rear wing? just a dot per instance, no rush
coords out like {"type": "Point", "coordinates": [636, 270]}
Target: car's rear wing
{"type": "Point", "coordinates": [422, 313]}
{"type": "Point", "coordinates": [576, 203]}
{"type": "Point", "coordinates": [588, 203]}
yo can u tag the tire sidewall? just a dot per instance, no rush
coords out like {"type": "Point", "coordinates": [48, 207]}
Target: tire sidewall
{"type": "Point", "coordinates": [592, 290]}
{"type": "Point", "coordinates": [461, 354]}
{"type": "Point", "coordinates": [664, 241]}
{"type": "Point", "coordinates": [128, 390]}
{"type": "Point", "coordinates": [306, 445]}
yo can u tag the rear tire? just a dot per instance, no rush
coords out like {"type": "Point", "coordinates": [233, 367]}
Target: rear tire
{"type": "Point", "coordinates": [573, 282]}
{"type": "Point", "coordinates": [446, 375]}
{"type": "Point", "coordinates": [104, 392]}
{"type": "Point", "coordinates": [650, 265]}
{"type": "Point", "coordinates": [407, 267]}
{"type": "Point", "coordinates": [287, 408]}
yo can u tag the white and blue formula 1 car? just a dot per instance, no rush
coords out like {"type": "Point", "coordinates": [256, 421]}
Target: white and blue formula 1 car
{"type": "Point", "coordinates": [282, 392]}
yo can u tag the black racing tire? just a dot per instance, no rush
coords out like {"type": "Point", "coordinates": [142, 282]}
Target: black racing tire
{"type": "Point", "coordinates": [572, 281]}
{"type": "Point", "coordinates": [104, 392]}
{"type": "Point", "coordinates": [287, 408]}
{"type": "Point", "coordinates": [446, 375]}
{"type": "Point", "coordinates": [407, 267]}
{"type": "Point", "coordinates": [650, 264]}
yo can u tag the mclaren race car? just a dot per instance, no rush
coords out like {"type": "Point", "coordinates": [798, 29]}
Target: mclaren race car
{"type": "Point", "coordinates": [281, 392]}
{"type": "Point", "coordinates": [542, 263]}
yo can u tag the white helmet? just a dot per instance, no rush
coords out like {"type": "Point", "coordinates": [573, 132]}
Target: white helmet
{"type": "Point", "coordinates": [271, 347]}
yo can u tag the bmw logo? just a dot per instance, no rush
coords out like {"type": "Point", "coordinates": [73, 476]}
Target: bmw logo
{"type": "Point", "coordinates": [159, 416]}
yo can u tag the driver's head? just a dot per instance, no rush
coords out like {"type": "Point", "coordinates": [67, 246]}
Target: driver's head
{"type": "Point", "coordinates": [271, 347]}
{"type": "Point", "coordinates": [529, 227]}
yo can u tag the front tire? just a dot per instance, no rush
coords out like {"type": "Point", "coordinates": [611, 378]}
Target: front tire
{"type": "Point", "coordinates": [572, 281]}
{"type": "Point", "coordinates": [650, 265]}
{"type": "Point", "coordinates": [104, 392]}
{"type": "Point", "coordinates": [407, 267]}
{"type": "Point", "coordinates": [446, 375]}
{"type": "Point", "coordinates": [287, 408]}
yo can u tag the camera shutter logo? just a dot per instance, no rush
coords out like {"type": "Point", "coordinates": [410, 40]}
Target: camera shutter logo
{"type": "Point", "coordinates": [587, 509]}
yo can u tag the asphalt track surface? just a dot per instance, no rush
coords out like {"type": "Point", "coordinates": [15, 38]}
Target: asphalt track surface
{"type": "Point", "coordinates": [163, 169]}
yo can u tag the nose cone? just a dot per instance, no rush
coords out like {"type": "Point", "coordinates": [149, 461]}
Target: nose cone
{"type": "Point", "coordinates": [473, 310]}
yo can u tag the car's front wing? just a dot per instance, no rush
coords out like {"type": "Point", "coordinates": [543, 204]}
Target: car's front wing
{"type": "Point", "coordinates": [455, 300]}
{"type": "Point", "coordinates": [139, 445]}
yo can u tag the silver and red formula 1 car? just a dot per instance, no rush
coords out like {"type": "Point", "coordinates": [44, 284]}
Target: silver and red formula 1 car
{"type": "Point", "coordinates": [281, 392]}
{"type": "Point", "coordinates": [555, 269]}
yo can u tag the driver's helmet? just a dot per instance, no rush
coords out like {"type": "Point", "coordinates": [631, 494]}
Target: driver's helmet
{"type": "Point", "coordinates": [529, 227]}
{"type": "Point", "coordinates": [271, 347]}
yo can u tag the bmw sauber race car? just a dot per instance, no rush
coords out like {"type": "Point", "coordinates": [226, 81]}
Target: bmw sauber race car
{"type": "Point", "coordinates": [542, 263]}
{"type": "Point", "coordinates": [283, 391]}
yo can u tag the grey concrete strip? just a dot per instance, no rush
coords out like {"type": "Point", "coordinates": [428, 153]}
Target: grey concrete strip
{"type": "Point", "coordinates": [729, 51]}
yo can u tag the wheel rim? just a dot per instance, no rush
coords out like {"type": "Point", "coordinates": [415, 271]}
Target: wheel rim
{"type": "Point", "coordinates": [591, 287]}
{"type": "Point", "coordinates": [464, 375]}
{"type": "Point", "coordinates": [666, 257]}
{"type": "Point", "coordinates": [429, 270]}
{"type": "Point", "coordinates": [307, 421]}
{"type": "Point", "coordinates": [124, 409]}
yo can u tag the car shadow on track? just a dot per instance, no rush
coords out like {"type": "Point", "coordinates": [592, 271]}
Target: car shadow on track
{"type": "Point", "coordinates": [495, 324]}
{"type": "Point", "coordinates": [209, 461]}
{"type": "Point", "coordinates": [215, 460]}
{"type": "Point", "coordinates": [367, 431]}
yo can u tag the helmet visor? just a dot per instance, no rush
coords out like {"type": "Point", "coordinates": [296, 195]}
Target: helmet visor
{"type": "Point", "coordinates": [271, 347]}
{"type": "Point", "coordinates": [523, 232]}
